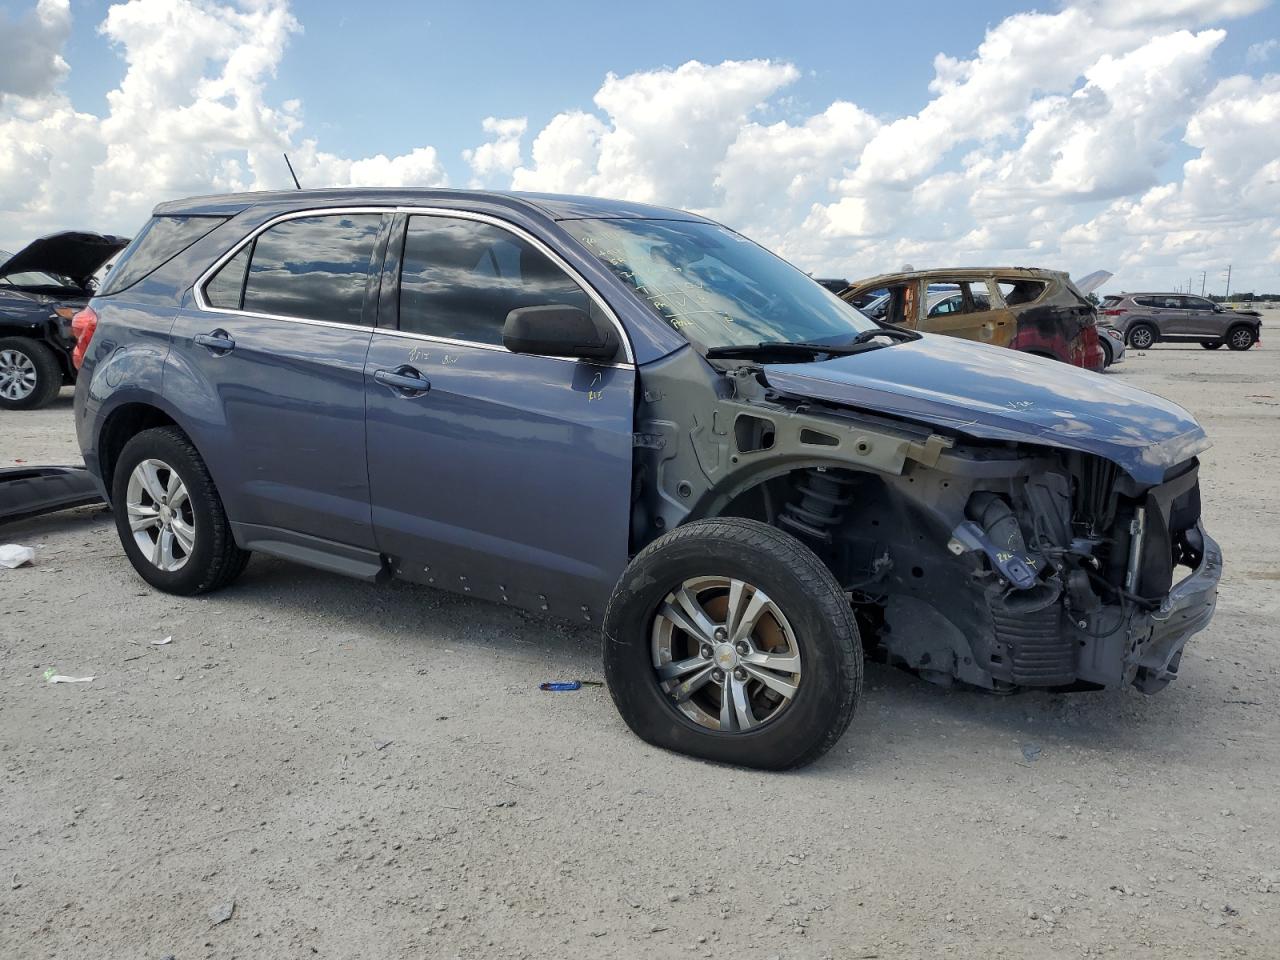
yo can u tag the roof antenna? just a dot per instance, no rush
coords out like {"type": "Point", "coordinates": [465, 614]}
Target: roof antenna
{"type": "Point", "coordinates": [291, 173]}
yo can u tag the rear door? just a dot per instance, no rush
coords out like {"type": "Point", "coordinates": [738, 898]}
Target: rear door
{"type": "Point", "coordinates": [268, 366]}
{"type": "Point", "coordinates": [968, 313]}
{"type": "Point", "coordinates": [500, 475]}
{"type": "Point", "coordinates": [1172, 315]}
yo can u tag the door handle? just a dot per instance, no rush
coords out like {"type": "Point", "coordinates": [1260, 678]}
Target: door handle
{"type": "Point", "coordinates": [219, 343]}
{"type": "Point", "coordinates": [405, 380]}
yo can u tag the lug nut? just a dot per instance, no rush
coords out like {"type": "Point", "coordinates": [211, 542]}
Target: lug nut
{"type": "Point", "coordinates": [706, 651]}
{"type": "Point", "coordinates": [717, 676]}
{"type": "Point", "coordinates": [740, 674]}
{"type": "Point", "coordinates": [721, 634]}
{"type": "Point", "coordinates": [742, 648]}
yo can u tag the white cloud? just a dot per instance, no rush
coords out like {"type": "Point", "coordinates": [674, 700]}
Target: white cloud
{"type": "Point", "coordinates": [1054, 142]}
{"type": "Point", "coordinates": [1261, 52]}
{"type": "Point", "coordinates": [666, 131]}
{"type": "Point", "coordinates": [500, 156]}
{"type": "Point", "coordinates": [189, 116]}
{"type": "Point", "coordinates": [31, 49]}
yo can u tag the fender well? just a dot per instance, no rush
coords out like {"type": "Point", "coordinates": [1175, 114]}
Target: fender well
{"type": "Point", "coordinates": [120, 426]}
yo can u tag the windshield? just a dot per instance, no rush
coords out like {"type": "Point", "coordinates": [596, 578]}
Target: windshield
{"type": "Point", "coordinates": [716, 287]}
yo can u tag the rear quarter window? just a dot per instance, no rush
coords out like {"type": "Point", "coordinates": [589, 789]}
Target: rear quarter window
{"type": "Point", "coordinates": [162, 239]}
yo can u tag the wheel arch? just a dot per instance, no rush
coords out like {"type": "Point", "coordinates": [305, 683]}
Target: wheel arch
{"type": "Point", "coordinates": [125, 421]}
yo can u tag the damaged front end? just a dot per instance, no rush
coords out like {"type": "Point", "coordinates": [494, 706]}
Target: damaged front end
{"type": "Point", "coordinates": [996, 563]}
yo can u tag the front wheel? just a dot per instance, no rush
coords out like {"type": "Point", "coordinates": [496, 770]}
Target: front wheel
{"type": "Point", "coordinates": [30, 376]}
{"type": "Point", "coordinates": [1241, 338]}
{"type": "Point", "coordinates": [730, 640]}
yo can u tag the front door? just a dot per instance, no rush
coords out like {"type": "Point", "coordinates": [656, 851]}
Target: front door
{"type": "Point", "coordinates": [967, 313]}
{"type": "Point", "coordinates": [274, 345]}
{"type": "Point", "coordinates": [494, 474]}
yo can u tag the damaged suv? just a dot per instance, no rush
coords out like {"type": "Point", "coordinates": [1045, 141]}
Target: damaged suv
{"type": "Point", "coordinates": [637, 418]}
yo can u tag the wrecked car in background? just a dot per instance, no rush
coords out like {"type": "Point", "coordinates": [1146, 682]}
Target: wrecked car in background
{"type": "Point", "coordinates": [1030, 310]}
{"type": "Point", "coordinates": [632, 416]}
{"type": "Point", "coordinates": [41, 288]}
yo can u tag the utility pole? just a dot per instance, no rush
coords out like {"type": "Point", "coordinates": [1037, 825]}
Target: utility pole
{"type": "Point", "coordinates": [1203, 275]}
{"type": "Point", "coordinates": [1228, 293]}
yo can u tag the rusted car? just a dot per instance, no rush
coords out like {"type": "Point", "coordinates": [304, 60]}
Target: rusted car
{"type": "Point", "coordinates": [1029, 309]}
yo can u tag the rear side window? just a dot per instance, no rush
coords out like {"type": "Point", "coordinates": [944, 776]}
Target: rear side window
{"type": "Point", "coordinates": [162, 239]}
{"type": "Point", "coordinates": [312, 268]}
{"type": "Point", "coordinates": [460, 278]}
{"type": "Point", "coordinates": [1020, 291]}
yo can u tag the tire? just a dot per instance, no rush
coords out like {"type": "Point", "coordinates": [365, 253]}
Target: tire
{"type": "Point", "coordinates": [1211, 344]}
{"type": "Point", "coordinates": [1106, 352]}
{"type": "Point", "coordinates": [30, 376]}
{"type": "Point", "coordinates": [213, 560]}
{"type": "Point", "coordinates": [816, 625]}
{"type": "Point", "coordinates": [1142, 336]}
{"type": "Point", "coordinates": [1240, 338]}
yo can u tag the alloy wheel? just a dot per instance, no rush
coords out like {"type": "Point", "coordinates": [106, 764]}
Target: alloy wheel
{"type": "Point", "coordinates": [160, 515]}
{"type": "Point", "coordinates": [1141, 338]}
{"type": "Point", "coordinates": [17, 375]}
{"type": "Point", "coordinates": [1241, 339]}
{"type": "Point", "coordinates": [725, 654]}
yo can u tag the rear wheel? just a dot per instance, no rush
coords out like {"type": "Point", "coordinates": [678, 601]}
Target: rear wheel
{"type": "Point", "coordinates": [30, 376]}
{"type": "Point", "coordinates": [1211, 344]}
{"type": "Point", "coordinates": [730, 640]}
{"type": "Point", "coordinates": [1142, 336]}
{"type": "Point", "coordinates": [1240, 338]}
{"type": "Point", "coordinates": [1106, 352]}
{"type": "Point", "coordinates": [170, 517]}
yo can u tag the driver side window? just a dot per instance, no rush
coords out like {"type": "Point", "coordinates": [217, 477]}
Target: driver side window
{"type": "Point", "coordinates": [460, 278]}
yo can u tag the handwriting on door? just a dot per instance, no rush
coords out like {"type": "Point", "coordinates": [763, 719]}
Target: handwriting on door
{"type": "Point", "coordinates": [419, 355]}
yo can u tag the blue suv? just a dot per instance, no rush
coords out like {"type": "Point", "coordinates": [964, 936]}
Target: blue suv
{"type": "Point", "coordinates": [635, 417]}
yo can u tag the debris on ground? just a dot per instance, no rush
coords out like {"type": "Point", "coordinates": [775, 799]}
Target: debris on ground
{"type": "Point", "coordinates": [161, 643]}
{"type": "Point", "coordinates": [221, 913]}
{"type": "Point", "coordinates": [14, 555]}
{"type": "Point", "coordinates": [382, 744]}
{"type": "Point", "coordinates": [52, 677]}
{"type": "Point", "coordinates": [1031, 752]}
{"type": "Point", "coordinates": [558, 686]}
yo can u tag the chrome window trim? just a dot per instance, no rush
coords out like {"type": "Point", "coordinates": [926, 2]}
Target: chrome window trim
{"type": "Point", "coordinates": [203, 305]}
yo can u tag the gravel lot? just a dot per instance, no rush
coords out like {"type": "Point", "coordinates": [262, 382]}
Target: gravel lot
{"type": "Point", "coordinates": [372, 771]}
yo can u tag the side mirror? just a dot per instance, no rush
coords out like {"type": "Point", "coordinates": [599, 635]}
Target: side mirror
{"type": "Point", "coordinates": [1217, 308]}
{"type": "Point", "coordinates": [558, 330]}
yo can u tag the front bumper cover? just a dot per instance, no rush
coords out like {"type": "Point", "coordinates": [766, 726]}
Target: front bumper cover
{"type": "Point", "coordinates": [1146, 647]}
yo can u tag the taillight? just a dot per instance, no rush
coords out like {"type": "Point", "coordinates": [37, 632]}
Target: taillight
{"type": "Point", "coordinates": [83, 326]}
{"type": "Point", "coordinates": [1114, 312]}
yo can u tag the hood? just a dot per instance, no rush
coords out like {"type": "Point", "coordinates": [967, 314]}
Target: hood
{"type": "Point", "coordinates": [71, 254]}
{"type": "Point", "coordinates": [1092, 281]}
{"type": "Point", "coordinates": [994, 393]}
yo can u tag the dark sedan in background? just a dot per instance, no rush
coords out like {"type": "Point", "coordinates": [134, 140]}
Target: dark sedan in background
{"type": "Point", "coordinates": [41, 288]}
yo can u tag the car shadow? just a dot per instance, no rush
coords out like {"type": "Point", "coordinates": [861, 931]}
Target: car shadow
{"type": "Point", "coordinates": [899, 715]}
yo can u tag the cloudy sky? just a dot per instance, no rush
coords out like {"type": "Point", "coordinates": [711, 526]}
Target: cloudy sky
{"type": "Point", "coordinates": [1140, 136]}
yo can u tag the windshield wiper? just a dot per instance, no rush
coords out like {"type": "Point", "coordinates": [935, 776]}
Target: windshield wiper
{"type": "Point", "coordinates": [897, 334]}
{"type": "Point", "coordinates": [812, 351]}
{"type": "Point", "coordinates": [783, 348]}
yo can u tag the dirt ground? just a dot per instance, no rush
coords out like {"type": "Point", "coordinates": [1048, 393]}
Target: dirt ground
{"type": "Point", "coordinates": [372, 772]}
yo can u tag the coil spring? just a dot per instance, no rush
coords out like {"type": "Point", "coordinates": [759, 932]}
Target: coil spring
{"type": "Point", "coordinates": [822, 498]}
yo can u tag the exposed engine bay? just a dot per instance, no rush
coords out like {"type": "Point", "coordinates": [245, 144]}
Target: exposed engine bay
{"type": "Point", "coordinates": [994, 563]}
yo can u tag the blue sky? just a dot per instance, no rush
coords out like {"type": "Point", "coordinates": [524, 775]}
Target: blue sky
{"type": "Point", "coordinates": [428, 72]}
{"type": "Point", "coordinates": [1140, 136]}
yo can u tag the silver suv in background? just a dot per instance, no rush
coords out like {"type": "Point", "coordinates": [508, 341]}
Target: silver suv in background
{"type": "Point", "coordinates": [1148, 318]}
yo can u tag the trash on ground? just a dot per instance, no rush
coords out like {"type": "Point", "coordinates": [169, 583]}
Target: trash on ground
{"type": "Point", "coordinates": [1031, 752]}
{"type": "Point", "coordinates": [221, 913]}
{"type": "Point", "coordinates": [14, 555]}
{"type": "Point", "coordinates": [52, 677]}
{"type": "Point", "coordinates": [558, 686]}
{"type": "Point", "coordinates": [382, 744]}
{"type": "Point", "coordinates": [161, 643]}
